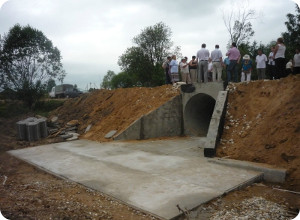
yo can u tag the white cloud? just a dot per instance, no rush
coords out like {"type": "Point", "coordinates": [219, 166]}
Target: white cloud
{"type": "Point", "coordinates": [2, 2]}
{"type": "Point", "coordinates": [297, 2]}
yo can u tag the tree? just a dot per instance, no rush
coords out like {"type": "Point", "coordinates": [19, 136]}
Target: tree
{"type": "Point", "coordinates": [106, 82]}
{"type": "Point", "coordinates": [122, 80]}
{"type": "Point", "coordinates": [155, 42]}
{"type": "Point", "coordinates": [292, 36]}
{"type": "Point", "coordinates": [27, 60]}
{"type": "Point", "coordinates": [50, 84]}
{"type": "Point", "coordinates": [137, 64]}
{"type": "Point", "coordinates": [30, 93]}
{"type": "Point", "coordinates": [141, 61]}
{"type": "Point", "coordinates": [238, 24]}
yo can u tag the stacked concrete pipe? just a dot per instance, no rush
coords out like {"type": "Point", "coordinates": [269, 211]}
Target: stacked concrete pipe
{"type": "Point", "coordinates": [32, 129]}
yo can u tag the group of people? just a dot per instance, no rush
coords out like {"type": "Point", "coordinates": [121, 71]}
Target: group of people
{"type": "Point", "coordinates": [207, 67]}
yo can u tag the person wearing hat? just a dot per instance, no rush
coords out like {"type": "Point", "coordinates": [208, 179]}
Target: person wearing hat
{"type": "Point", "coordinates": [246, 68]}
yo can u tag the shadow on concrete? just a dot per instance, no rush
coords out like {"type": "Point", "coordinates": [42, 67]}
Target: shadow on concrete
{"type": "Point", "coordinates": [197, 114]}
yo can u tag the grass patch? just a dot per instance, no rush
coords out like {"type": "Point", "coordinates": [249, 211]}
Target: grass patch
{"type": "Point", "coordinates": [12, 108]}
{"type": "Point", "coordinates": [44, 107]}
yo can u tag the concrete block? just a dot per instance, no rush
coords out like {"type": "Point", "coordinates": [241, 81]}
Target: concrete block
{"type": "Point", "coordinates": [21, 130]}
{"type": "Point", "coordinates": [54, 119]}
{"type": "Point", "coordinates": [43, 127]}
{"type": "Point", "coordinates": [74, 136]}
{"type": "Point", "coordinates": [33, 131]}
{"type": "Point", "coordinates": [74, 128]}
{"type": "Point", "coordinates": [88, 128]}
{"type": "Point", "coordinates": [66, 136]}
{"type": "Point", "coordinates": [30, 119]}
{"type": "Point", "coordinates": [110, 134]}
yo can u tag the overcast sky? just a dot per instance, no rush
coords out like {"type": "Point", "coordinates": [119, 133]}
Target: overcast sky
{"type": "Point", "coordinates": [92, 34]}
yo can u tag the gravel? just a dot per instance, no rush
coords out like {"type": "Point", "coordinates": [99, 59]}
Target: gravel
{"type": "Point", "coordinates": [253, 208]}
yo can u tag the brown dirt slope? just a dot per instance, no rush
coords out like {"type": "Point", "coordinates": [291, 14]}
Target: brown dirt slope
{"type": "Point", "coordinates": [108, 110]}
{"type": "Point", "coordinates": [263, 124]}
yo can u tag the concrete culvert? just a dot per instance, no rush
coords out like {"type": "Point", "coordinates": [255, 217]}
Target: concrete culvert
{"type": "Point", "coordinates": [197, 114]}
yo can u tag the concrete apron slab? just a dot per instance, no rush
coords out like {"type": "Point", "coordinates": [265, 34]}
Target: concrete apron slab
{"type": "Point", "coordinates": [153, 176]}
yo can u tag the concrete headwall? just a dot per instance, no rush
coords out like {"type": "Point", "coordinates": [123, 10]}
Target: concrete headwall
{"type": "Point", "coordinates": [165, 121]}
{"type": "Point", "coordinates": [188, 114]}
{"type": "Point", "coordinates": [212, 89]}
{"type": "Point", "coordinates": [198, 107]}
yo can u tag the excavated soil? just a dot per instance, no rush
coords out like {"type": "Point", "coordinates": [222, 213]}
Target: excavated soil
{"type": "Point", "coordinates": [108, 110]}
{"type": "Point", "coordinates": [263, 125]}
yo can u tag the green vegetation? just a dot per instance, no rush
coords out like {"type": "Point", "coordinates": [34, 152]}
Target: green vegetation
{"type": "Point", "coordinates": [141, 63]}
{"type": "Point", "coordinates": [291, 39]}
{"type": "Point", "coordinates": [14, 108]}
{"type": "Point", "coordinates": [44, 107]}
{"type": "Point", "coordinates": [292, 36]}
{"type": "Point", "coordinates": [27, 61]}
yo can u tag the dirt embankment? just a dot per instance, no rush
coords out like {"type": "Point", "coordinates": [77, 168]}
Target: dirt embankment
{"type": "Point", "coordinates": [263, 125]}
{"type": "Point", "coordinates": [108, 110]}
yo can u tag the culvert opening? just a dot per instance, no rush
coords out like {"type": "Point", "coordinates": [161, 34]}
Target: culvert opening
{"type": "Point", "coordinates": [197, 114]}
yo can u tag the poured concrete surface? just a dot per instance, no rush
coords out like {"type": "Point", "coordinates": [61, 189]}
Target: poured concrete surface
{"type": "Point", "coordinates": [154, 176]}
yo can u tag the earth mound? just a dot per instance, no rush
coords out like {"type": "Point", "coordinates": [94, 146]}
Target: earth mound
{"type": "Point", "coordinates": [262, 124]}
{"type": "Point", "coordinates": [107, 110]}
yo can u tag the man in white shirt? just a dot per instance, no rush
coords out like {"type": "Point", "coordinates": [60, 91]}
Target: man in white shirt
{"type": "Point", "coordinates": [184, 70]}
{"type": "Point", "coordinates": [217, 62]}
{"type": "Point", "coordinates": [202, 59]}
{"type": "Point", "coordinates": [296, 62]}
{"type": "Point", "coordinates": [261, 60]}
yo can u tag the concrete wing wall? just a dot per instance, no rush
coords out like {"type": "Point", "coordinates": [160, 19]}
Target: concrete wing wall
{"type": "Point", "coordinates": [165, 121]}
{"type": "Point", "coordinates": [216, 125]}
